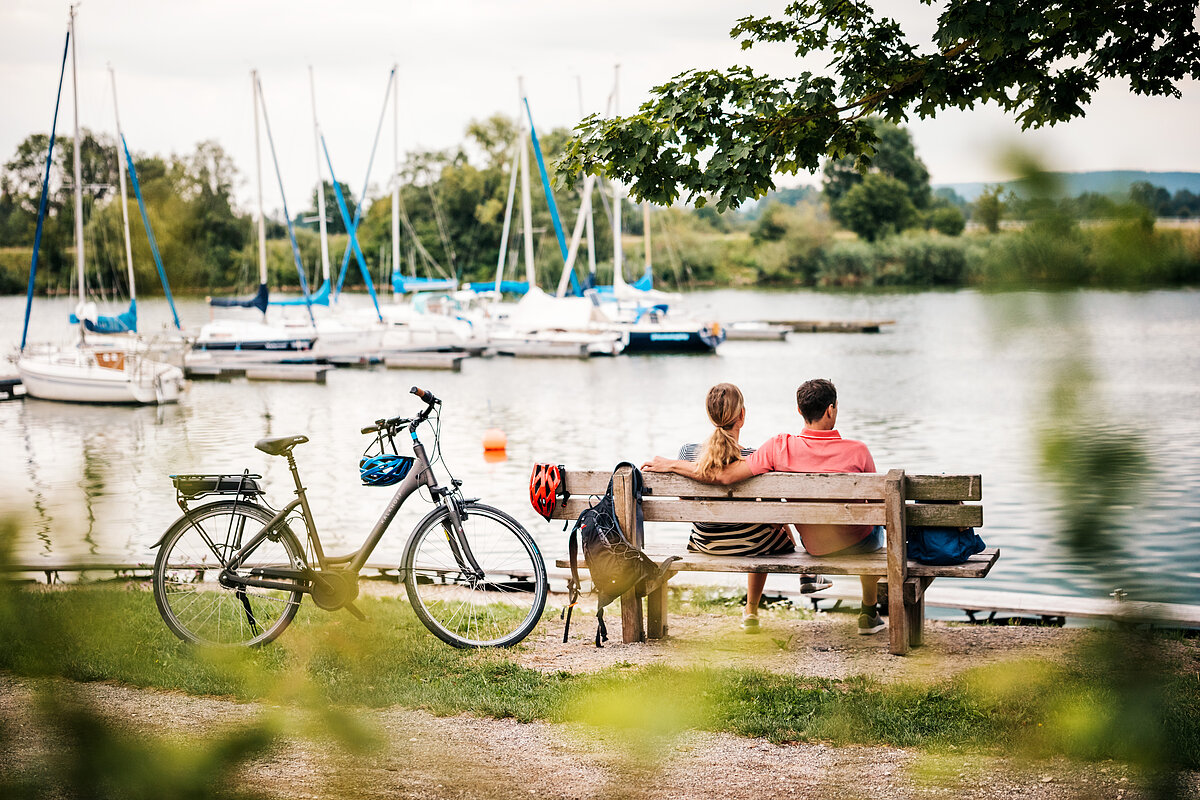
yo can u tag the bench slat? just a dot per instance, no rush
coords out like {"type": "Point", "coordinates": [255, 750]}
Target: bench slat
{"type": "Point", "coordinates": [943, 487]}
{"type": "Point", "coordinates": [663, 510]}
{"type": "Point", "coordinates": [977, 566]}
{"type": "Point", "coordinates": [657, 510]}
{"type": "Point", "coordinates": [836, 486]}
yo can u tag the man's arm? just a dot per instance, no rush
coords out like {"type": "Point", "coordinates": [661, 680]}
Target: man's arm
{"type": "Point", "coordinates": [730, 473]}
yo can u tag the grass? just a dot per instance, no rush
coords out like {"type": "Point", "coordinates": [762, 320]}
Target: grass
{"type": "Point", "coordinates": [329, 659]}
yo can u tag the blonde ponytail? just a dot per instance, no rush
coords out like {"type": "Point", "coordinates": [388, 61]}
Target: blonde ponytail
{"type": "Point", "coordinates": [725, 405]}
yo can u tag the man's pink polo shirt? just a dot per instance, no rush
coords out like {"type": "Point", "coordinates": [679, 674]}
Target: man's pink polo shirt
{"type": "Point", "coordinates": [816, 451]}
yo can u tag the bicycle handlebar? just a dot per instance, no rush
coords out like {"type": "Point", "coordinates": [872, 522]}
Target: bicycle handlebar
{"type": "Point", "coordinates": [397, 422]}
{"type": "Point", "coordinates": [425, 395]}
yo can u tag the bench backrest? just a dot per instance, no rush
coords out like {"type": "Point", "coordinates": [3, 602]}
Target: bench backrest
{"type": "Point", "coordinates": [809, 498]}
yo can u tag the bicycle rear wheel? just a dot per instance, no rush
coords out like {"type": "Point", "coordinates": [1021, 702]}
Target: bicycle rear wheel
{"type": "Point", "coordinates": [497, 608]}
{"type": "Point", "coordinates": [192, 601]}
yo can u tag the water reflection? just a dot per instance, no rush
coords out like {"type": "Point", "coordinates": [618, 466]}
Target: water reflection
{"type": "Point", "coordinates": [951, 388]}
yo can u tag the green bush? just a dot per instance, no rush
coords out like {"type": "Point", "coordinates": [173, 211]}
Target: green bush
{"type": "Point", "coordinates": [14, 269]}
{"type": "Point", "coordinates": [848, 264]}
{"type": "Point", "coordinates": [923, 260]}
{"type": "Point", "coordinates": [945, 219]}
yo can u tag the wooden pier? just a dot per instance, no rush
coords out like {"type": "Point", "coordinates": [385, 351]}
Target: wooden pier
{"type": "Point", "coordinates": [977, 602]}
{"type": "Point", "coordinates": [309, 373]}
{"type": "Point", "coordinates": [426, 360]}
{"type": "Point", "coordinates": [832, 326]}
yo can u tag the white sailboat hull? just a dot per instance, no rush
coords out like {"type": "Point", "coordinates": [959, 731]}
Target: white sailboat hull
{"type": "Point", "coordinates": [82, 376]}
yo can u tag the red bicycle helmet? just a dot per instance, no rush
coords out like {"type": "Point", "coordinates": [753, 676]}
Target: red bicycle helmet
{"type": "Point", "coordinates": [546, 489]}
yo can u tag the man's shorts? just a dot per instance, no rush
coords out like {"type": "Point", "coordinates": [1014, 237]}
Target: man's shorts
{"type": "Point", "coordinates": [874, 542]}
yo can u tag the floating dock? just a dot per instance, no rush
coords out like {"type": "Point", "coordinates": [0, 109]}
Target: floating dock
{"type": "Point", "coordinates": [9, 388]}
{"type": "Point", "coordinates": [426, 360]}
{"type": "Point", "coordinates": [755, 332]}
{"type": "Point", "coordinates": [310, 373]}
{"type": "Point", "coordinates": [831, 326]}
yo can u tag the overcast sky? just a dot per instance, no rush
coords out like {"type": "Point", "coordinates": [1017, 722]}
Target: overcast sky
{"type": "Point", "coordinates": [183, 76]}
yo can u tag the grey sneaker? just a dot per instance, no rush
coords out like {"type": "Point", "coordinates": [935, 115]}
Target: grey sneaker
{"type": "Point", "coordinates": [750, 625]}
{"type": "Point", "coordinates": [870, 622]}
{"type": "Point", "coordinates": [811, 584]}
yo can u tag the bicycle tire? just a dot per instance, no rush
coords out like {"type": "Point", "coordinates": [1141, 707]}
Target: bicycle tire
{"type": "Point", "coordinates": [205, 612]}
{"type": "Point", "coordinates": [498, 611]}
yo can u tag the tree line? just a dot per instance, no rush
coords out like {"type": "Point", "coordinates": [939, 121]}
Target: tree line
{"type": "Point", "coordinates": [452, 205]}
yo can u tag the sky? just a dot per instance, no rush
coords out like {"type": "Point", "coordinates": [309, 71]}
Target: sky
{"type": "Point", "coordinates": [183, 76]}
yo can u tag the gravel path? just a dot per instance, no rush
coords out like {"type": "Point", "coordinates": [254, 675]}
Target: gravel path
{"type": "Point", "coordinates": [465, 757]}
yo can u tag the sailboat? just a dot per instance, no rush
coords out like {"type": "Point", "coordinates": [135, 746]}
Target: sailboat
{"type": "Point", "coordinates": [539, 323]}
{"type": "Point", "coordinates": [80, 373]}
{"type": "Point", "coordinates": [241, 340]}
{"type": "Point", "coordinates": [638, 310]}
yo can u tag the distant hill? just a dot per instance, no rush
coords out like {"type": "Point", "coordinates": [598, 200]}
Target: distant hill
{"type": "Point", "coordinates": [1108, 182]}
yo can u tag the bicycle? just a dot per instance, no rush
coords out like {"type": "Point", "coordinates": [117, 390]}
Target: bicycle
{"type": "Point", "coordinates": [473, 574]}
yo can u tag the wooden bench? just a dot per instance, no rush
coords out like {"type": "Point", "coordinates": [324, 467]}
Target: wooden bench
{"type": "Point", "coordinates": [894, 500]}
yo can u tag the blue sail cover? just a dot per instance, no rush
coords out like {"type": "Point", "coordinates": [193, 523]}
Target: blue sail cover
{"type": "Point", "coordinates": [37, 236]}
{"type": "Point", "coordinates": [258, 301]}
{"type": "Point", "coordinates": [321, 298]}
{"type": "Point", "coordinates": [508, 287]}
{"type": "Point", "coordinates": [121, 323]}
{"type": "Point", "coordinates": [402, 284]}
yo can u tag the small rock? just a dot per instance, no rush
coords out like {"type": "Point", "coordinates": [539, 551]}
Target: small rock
{"type": "Point", "coordinates": [1047, 778]}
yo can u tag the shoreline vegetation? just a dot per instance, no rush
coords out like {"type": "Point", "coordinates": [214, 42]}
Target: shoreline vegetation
{"type": "Point", "coordinates": [885, 227]}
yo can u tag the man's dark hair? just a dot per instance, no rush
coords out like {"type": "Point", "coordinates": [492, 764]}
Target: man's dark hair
{"type": "Point", "coordinates": [814, 396]}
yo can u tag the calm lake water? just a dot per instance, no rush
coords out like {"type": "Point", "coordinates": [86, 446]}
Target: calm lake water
{"type": "Point", "coordinates": [960, 383]}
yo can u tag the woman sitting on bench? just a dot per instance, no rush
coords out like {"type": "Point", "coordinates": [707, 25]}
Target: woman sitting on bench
{"type": "Point", "coordinates": [727, 412]}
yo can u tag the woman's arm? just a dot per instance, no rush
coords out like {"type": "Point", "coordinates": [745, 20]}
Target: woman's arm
{"type": "Point", "coordinates": [730, 473]}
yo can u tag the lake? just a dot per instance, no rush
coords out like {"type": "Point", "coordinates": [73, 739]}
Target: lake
{"type": "Point", "coordinates": [959, 384]}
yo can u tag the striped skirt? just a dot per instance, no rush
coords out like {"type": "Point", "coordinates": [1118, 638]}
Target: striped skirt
{"type": "Point", "coordinates": [740, 540]}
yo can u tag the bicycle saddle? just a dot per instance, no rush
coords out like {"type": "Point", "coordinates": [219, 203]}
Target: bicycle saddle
{"type": "Point", "coordinates": [279, 445]}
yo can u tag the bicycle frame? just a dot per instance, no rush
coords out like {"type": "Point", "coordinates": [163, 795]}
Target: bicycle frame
{"type": "Point", "coordinates": [420, 475]}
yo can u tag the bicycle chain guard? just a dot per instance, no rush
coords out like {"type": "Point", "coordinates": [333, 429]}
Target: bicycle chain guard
{"type": "Point", "coordinates": [333, 589]}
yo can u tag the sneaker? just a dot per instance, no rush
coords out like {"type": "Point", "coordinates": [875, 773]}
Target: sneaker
{"type": "Point", "coordinates": [750, 624]}
{"type": "Point", "coordinates": [870, 622]}
{"type": "Point", "coordinates": [811, 584]}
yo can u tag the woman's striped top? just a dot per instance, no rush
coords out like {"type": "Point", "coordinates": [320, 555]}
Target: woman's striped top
{"type": "Point", "coordinates": [735, 539]}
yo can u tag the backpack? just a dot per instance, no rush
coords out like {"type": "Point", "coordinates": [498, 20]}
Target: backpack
{"type": "Point", "coordinates": [615, 564]}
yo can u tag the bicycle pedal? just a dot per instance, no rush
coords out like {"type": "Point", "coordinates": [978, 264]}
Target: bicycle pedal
{"type": "Point", "coordinates": [353, 609]}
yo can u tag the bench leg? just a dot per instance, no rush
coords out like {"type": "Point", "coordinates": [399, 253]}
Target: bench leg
{"type": "Point", "coordinates": [631, 618]}
{"type": "Point", "coordinates": [914, 609]}
{"type": "Point", "coordinates": [656, 612]}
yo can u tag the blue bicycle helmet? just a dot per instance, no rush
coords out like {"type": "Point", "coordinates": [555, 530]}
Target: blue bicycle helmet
{"type": "Point", "coordinates": [384, 469]}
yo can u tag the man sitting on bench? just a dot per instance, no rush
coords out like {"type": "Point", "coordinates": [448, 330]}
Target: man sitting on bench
{"type": "Point", "coordinates": [817, 448]}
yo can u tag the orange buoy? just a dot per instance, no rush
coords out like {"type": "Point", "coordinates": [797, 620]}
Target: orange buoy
{"type": "Point", "coordinates": [495, 456]}
{"type": "Point", "coordinates": [494, 439]}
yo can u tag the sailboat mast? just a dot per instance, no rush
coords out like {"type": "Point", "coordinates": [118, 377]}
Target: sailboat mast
{"type": "Point", "coordinates": [78, 173]}
{"type": "Point", "coordinates": [587, 197]}
{"type": "Point", "coordinates": [526, 201]}
{"type": "Point", "coordinates": [508, 207]}
{"type": "Point", "coordinates": [618, 273]}
{"type": "Point", "coordinates": [396, 171]}
{"type": "Point", "coordinates": [262, 225]}
{"type": "Point", "coordinates": [121, 172]}
{"type": "Point", "coordinates": [646, 231]}
{"type": "Point", "coordinates": [312, 89]}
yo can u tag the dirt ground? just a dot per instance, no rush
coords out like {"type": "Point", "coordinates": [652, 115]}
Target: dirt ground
{"type": "Point", "coordinates": [467, 757]}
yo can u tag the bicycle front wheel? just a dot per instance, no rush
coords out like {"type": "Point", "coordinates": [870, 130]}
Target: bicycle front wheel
{"type": "Point", "coordinates": [194, 603]}
{"type": "Point", "coordinates": [495, 606]}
